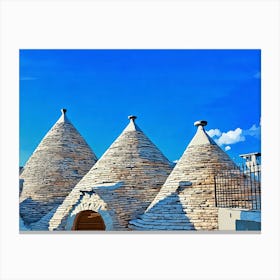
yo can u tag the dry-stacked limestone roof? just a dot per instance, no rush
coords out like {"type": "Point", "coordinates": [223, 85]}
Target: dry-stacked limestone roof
{"type": "Point", "coordinates": [59, 162]}
{"type": "Point", "coordinates": [121, 185]}
{"type": "Point", "coordinates": [187, 199]}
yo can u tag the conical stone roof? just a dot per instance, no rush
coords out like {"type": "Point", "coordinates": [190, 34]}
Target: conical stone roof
{"type": "Point", "coordinates": [186, 201]}
{"type": "Point", "coordinates": [55, 167]}
{"type": "Point", "coordinates": [120, 185]}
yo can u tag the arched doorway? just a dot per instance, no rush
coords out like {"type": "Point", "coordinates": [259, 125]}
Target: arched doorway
{"type": "Point", "coordinates": [88, 220]}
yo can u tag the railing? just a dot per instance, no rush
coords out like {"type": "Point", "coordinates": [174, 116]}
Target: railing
{"type": "Point", "coordinates": [239, 188]}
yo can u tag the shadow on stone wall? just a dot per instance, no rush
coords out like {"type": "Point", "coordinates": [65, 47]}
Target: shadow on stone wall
{"type": "Point", "coordinates": [167, 214]}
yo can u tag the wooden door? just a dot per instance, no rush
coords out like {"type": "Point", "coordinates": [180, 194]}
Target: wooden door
{"type": "Point", "coordinates": [88, 220]}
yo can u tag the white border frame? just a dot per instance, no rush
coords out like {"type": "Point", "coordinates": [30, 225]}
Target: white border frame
{"type": "Point", "coordinates": [139, 24]}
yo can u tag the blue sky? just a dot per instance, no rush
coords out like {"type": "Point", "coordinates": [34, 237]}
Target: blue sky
{"type": "Point", "coordinates": [167, 89]}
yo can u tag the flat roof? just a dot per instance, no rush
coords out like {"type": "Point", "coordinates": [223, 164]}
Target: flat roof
{"type": "Point", "coordinates": [251, 154]}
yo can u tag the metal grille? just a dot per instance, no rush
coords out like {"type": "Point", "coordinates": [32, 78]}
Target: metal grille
{"type": "Point", "coordinates": [239, 188]}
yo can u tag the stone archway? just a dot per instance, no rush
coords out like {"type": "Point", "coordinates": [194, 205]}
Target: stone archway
{"type": "Point", "coordinates": [88, 220]}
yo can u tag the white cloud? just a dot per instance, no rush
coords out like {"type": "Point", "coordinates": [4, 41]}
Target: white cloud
{"type": "Point", "coordinates": [28, 78]}
{"type": "Point", "coordinates": [234, 136]}
{"type": "Point", "coordinates": [214, 132]}
{"type": "Point", "coordinates": [257, 75]}
{"type": "Point", "coordinates": [231, 137]}
{"type": "Point", "coordinates": [254, 131]}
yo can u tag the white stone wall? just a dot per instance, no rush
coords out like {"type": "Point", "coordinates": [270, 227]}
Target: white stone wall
{"type": "Point", "coordinates": [227, 217]}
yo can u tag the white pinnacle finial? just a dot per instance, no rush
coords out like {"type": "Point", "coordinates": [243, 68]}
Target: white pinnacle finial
{"type": "Point", "coordinates": [63, 117]}
{"type": "Point", "coordinates": [132, 125]}
{"type": "Point", "coordinates": [200, 123]}
{"type": "Point", "coordinates": [201, 137]}
{"type": "Point", "coordinates": [132, 118]}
